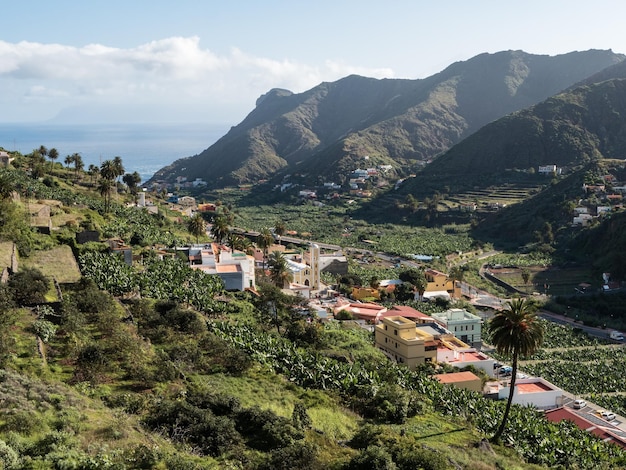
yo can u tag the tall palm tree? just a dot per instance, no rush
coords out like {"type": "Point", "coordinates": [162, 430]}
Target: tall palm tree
{"type": "Point", "coordinates": [105, 188]}
{"type": "Point", "coordinates": [240, 243]}
{"type": "Point", "coordinates": [516, 332]}
{"type": "Point", "coordinates": [78, 164]}
{"type": "Point", "coordinates": [69, 159]}
{"type": "Point", "coordinates": [53, 154]}
{"type": "Point", "coordinates": [118, 166]}
{"type": "Point", "coordinates": [219, 229]}
{"type": "Point", "coordinates": [107, 170]}
{"type": "Point", "coordinates": [93, 171]}
{"type": "Point", "coordinates": [197, 226]}
{"type": "Point", "coordinates": [264, 241]}
{"type": "Point", "coordinates": [280, 274]}
{"type": "Point", "coordinates": [43, 151]}
{"type": "Point", "coordinates": [132, 180]}
{"type": "Point", "coordinates": [279, 229]}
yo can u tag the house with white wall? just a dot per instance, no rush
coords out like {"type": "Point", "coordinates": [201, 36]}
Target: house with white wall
{"type": "Point", "coordinates": [534, 391]}
{"type": "Point", "coordinates": [464, 325]}
{"type": "Point", "coordinates": [234, 267]}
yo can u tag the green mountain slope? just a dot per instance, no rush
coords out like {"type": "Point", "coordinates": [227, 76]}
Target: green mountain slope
{"type": "Point", "coordinates": [400, 122]}
{"type": "Point", "coordinates": [567, 130]}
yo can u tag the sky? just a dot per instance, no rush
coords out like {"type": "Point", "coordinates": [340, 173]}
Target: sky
{"type": "Point", "coordinates": [209, 61]}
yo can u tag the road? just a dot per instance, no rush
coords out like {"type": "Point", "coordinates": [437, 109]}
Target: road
{"type": "Point", "coordinates": [563, 320]}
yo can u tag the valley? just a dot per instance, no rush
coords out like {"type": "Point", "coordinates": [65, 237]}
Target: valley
{"type": "Point", "coordinates": [190, 322]}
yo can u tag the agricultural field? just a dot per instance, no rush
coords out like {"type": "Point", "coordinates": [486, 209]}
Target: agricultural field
{"type": "Point", "coordinates": [545, 279]}
{"type": "Point", "coordinates": [586, 367]}
{"type": "Point", "coordinates": [58, 263]}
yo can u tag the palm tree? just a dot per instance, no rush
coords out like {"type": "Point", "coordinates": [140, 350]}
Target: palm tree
{"type": "Point", "coordinates": [105, 187]}
{"type": "Point", "coordinates": [43, 151]}
{"type": "Point", "coordinates": [196, 225]}
{"type": "Point", "coordinates": [69, 160]}
{"type": "Point", "coordinates": [93, 171]}
{"type": "Point", "coordinates": [107, 170]}
{"type": "Point", "coordinates": [53, 154]}
{"type": "Point", "coordinates": [132, 180]}
{"type": "Point", "coordinates": [280, 274]}
{"type": "Point", "coordinates": [219, 229]}
{"type": "Point", "coordinates": [264, 241]}
{"type": "Point", "coordinates": [515, 331]}
{"type": "Point", "coordinates": [118, 166]}
{"type": "Point", "coordinates": [279, 229]}
{"type": "Point", "coordinates": [78, 164]}
{"type": "Point", "coordinates": [240, 243]}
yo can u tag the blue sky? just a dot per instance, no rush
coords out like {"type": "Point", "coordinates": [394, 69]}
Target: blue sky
{"type": "Point", "coordinates": [208, 61]}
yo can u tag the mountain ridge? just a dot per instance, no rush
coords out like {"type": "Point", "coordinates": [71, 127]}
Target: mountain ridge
{"type": "Point", "coordinates": [401, 122]}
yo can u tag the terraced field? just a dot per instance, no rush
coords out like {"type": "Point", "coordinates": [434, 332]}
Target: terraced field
{"type": "Point", "coordinates": [486, 199]}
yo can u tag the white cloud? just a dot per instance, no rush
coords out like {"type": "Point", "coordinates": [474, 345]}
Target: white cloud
{"type": "Point", "coordinates": [174, 71]}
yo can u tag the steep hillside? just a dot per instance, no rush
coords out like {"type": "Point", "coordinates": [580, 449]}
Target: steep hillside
{"type": "Point", "coordinates": [400, 122]}
{"type": "Point", "coordinates": [567, 130]}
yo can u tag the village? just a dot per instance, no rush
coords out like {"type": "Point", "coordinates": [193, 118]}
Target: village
{"type": "Point", "coordinates": [451, 338]}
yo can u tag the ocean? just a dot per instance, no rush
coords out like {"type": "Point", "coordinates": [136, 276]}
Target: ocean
{"type": "Point", "coordinates": [144, 148]}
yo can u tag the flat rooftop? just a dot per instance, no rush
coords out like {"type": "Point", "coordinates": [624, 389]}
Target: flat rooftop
{"type": "Point", "coordinates": [469, 356]}
{"type": "Point", "coordinates": [533, 387]}
{"type": "Point", "coordinates": [454, 377]}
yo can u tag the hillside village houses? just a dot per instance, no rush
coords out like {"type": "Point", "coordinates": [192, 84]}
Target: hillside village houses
{"type": "Point", "coordinates": [235, 268]}
{"type": "Point", "coordinates": [465, 325]}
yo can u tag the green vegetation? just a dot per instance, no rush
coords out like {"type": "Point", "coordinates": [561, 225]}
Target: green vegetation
{"type": "Point", "coordinates": [515, 332]}
{"type": "Point", "coordinates": [156, 366]}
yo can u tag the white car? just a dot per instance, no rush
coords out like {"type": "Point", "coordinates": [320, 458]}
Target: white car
{"type": "Point", "coordinates": [608, 415]}
{"type": "Point", "coordinates": [579, 404]}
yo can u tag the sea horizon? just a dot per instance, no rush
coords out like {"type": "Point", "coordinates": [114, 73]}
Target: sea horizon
{"type": "Point", "coordinates": [144, 148]}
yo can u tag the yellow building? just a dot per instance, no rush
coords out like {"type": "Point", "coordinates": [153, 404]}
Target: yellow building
{"type": "Point", "coordinates": [440, 285]}
{"type": "Point", "coordinates": [400, 340]}
{"type": "Point", "coordinates": [362, 293]}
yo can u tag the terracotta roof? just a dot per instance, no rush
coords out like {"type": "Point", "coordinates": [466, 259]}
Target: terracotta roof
{"type": "Point", "coordinates": [455, 377]}
{"type": "Point", "coordinates": [407, 312]}
{"type": "Point", "coordinates": [604, 431]}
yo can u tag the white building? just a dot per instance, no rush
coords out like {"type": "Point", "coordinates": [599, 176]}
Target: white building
{"type": "Point", "coordinates": [547, 170]}
{"type": "Point", "coordinates": [533, 391]}
{"type": "Point", "coordinates": [235, 268]}
{"type": "Point", "coordinates": [464, 325]}
{"type": "Point", "coordinates": [305, 267]}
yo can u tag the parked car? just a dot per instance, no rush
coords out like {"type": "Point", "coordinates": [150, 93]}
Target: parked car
{"type": "Point", "coordinates": [506, 370]}
{"type": "Point", "coordinates": [609, 416]}
{"type": "Point", "coordinates": [579, 404]}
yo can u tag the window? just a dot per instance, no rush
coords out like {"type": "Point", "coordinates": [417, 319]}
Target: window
{"type": "Point", "coordinates": [395, 332]}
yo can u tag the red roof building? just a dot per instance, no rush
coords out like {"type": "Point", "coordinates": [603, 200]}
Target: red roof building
{"type": "Point", "coordinates": [591, 423]}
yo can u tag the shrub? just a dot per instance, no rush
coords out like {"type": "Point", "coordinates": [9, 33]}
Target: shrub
{"type": "Point", "coordinates": [300, 456]}
{"type": "Point", "coordinates": [343, 315]}
{"type": "Point", "coordinates": [44, 329]}
{"type": "Point", "coordinates": [418, 457]}
{"type": "Point", "coordinates": [264, 430]}
{"type": "Point", "coordinates": [8, 456]}
{"type": "Point", "coordinates": [372, 458]}
{"type": "Point", "coordinates": [29, 286]}
{"type": "Point", "coordinates": [22, 421]}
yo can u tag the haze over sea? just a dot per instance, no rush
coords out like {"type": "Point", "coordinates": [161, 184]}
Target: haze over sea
{"type": "Point", "coordinates": [144, 148]}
